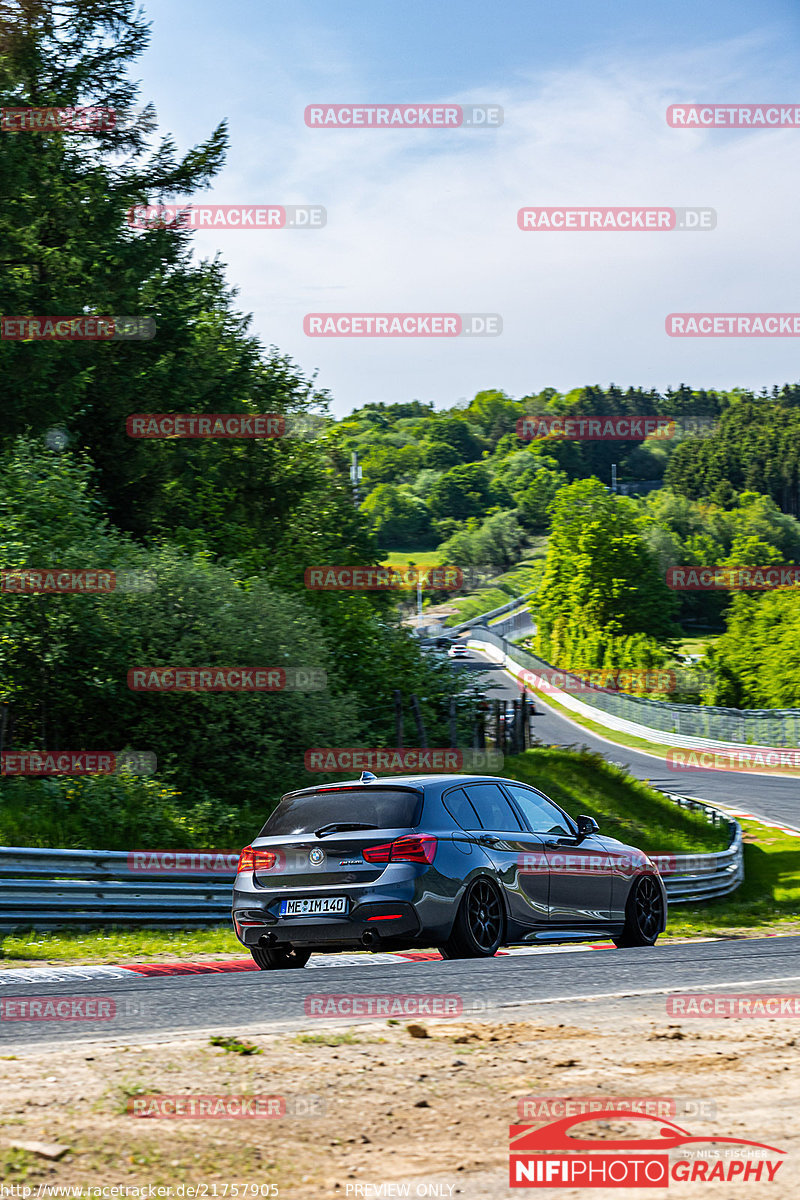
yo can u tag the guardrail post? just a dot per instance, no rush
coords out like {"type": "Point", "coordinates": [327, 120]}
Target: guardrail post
{"type": "Point", "coordinates": [516, 727]}
{"type": "Point", "coordinates": [415, 708]}
{"type": "Point", "coordinates": [398, 719]}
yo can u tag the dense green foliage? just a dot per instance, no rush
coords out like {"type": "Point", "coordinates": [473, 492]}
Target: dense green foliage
{"type": "Point", "coordinates": [602, 600]}
{"type": "Point", "coordinates": [756, 448]}
{"type": "Point", "coordinates": [225, 528]}
{"type": "Point", "coordinates": [757, 661]}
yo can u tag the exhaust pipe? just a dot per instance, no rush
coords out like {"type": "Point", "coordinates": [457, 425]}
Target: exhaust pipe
{"type": "Point", "coordinates": [269, 939]}
{"type": "Point", "coordinates": [368, 938]}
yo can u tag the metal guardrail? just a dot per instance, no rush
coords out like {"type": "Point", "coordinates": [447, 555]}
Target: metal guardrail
{"type": "Point", "coordinates": [485, 618]}
{"type": "Point", "coordinates": [50, 889]}
{"type": "Point", "coordinates": [698, 877]}
{"type": "Point", "coordinates": [776, 727]}
{"type": "Point", "coordinates": [517, 623]}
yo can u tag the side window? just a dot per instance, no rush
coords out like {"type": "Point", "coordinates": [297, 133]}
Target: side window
{"type": "Point", "coordinates": [461, 810]}
{"type": "Point", "coordinates": [492, 807]}
{"type": "Point", "coordinates": [539, 812]}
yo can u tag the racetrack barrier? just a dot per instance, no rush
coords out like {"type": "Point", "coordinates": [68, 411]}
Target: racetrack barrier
{"type": "Point", "coordinates": [45, 889]}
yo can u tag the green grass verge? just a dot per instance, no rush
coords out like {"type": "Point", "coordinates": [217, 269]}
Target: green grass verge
{"type": "Point", "coordinates": [118, 945]}
{"type": "Point", "coordinates": [696, 643]}
{"type": "Point", "coordinates": [417, 558]}
{"type": "Point", "coordinates": [502, 589]}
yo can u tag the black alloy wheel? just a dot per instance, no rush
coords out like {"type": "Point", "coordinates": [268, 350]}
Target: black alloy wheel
{"type": "Point", "coordinates": [644, 915]}
{"type": "Point", "coordinates": [478, 928]}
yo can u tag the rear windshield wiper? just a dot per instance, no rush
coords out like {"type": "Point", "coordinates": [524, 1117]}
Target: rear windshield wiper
{"type": "Point", "coordinates": [341, 827]}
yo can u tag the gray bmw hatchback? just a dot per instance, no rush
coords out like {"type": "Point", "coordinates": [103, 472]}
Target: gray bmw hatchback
{"type": "Point", "coordinates": [465, 864]}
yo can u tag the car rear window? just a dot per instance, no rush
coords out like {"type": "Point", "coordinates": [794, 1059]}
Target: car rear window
{"type": "Point", "coordinates": [384, 808]}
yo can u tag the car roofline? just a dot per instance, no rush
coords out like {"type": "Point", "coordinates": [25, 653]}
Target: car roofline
{"type": "Point", "coordinates": [406, 783]}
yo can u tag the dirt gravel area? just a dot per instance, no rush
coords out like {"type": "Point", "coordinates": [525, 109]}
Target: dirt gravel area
{"type": "Point", "coordinates": [420, 1105]}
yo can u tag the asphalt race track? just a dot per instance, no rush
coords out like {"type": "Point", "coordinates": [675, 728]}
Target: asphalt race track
{"type": "Point", "coordinates": [765, 796]}
{"type": "Point", "coordinates": [545, 985]}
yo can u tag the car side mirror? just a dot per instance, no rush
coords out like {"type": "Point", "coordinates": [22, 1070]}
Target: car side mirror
{"type": "Point", "coordinates": [587, 825]}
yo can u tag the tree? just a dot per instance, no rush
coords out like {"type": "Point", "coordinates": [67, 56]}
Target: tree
{"type": "Point", "coordinates": [64, 659]}
{"type": "Point", "coordinates": [599, 573]}
{"type": "Point", "coordinates": [462, 492]}
{"type": "Point", "coordinates": [497, 543]}
{"type": "Point", "coordinates": [495, 413]}
{"type": "Point", "coordinates": [398, 517]}
{"type": "Point", "coordinates": [757, 660]}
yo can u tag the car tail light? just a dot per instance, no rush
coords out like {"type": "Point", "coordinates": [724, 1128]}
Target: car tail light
{"type": "Point", "coordinates": [255, 860]}
{"type": "Point", "coordinates": [412, 848]}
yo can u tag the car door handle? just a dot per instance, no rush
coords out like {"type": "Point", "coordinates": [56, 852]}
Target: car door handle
{"type": "Point", "coordinates": [486, 839]}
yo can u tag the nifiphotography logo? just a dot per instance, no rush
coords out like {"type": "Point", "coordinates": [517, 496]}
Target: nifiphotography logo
{"type": "Point", "coordinates": [553, 1156]}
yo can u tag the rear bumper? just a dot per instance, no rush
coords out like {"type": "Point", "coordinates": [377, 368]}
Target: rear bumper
{"type": "Point", "coordinates": [368, 924]}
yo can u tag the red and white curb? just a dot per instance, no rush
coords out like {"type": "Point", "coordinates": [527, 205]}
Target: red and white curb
{"type": "Point", "coordinates": [767, 822]}
{"type": "Point", "coordinates": [157, 970]}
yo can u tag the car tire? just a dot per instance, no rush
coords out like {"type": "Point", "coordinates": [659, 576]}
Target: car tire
{"type": "Point", "coordinates": [644, 914]}
{"type": "Point", "coordinates": [279, 958]}
{"type": "Point", "coordinates": [478, 928]}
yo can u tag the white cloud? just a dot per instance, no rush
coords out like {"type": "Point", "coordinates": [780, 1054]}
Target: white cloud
{"type": "Point", "coordinates": [426, 221]}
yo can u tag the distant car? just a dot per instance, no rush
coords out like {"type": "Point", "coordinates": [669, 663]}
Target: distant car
{"type": "Point", "coordinates": [463, 863]}
{"type": "Point", "coordinates": [458, 650]}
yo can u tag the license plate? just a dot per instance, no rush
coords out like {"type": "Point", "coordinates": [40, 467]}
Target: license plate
{"type": "Point", "coordinates": [320, 906]}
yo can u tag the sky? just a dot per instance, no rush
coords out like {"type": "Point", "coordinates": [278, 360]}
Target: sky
{"type": "Point", "coordinates": [425, 220]}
